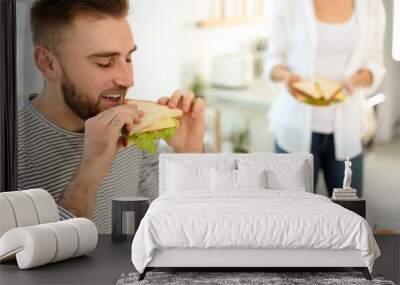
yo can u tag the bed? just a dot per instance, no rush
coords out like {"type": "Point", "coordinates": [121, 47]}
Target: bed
{"type": "Point", "coordinates": [247, 211]}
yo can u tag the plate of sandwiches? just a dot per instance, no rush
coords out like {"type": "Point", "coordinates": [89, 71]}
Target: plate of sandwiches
{"type": "Point", "coordinates": [318, 92]}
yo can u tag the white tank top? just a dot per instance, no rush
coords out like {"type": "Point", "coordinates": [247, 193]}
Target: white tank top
{"type": "Point", "coordinates": [336, 43]}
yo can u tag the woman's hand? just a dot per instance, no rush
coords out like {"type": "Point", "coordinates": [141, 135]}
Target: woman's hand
{"type": "Point", "coordinates": [363, 78]}
{"type": "Point", "coordinates": [349, 85]}
{"type": "Point", "coordinates": [290, 78]}
{"type": "Point", "coordinates": [189, 136]}
{"type": "Point", "coordinates": [283, 74]}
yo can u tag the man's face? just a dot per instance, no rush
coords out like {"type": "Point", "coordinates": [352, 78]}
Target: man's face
{"type": "Point", "coordinates": [96, 63]}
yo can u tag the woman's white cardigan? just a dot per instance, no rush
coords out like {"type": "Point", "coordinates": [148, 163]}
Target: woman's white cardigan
{"type": "Point", "coordinates": [293, 43]}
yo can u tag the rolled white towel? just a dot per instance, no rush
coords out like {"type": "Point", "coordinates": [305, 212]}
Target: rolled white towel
{"type": "Point", "coordinates": [32, 246]}
{"type": "Point", "coordinates": [7, 218]}
{"type": "Point", "coordinates": [45, 205]}
{"type": "Point", "coordinates": [66, 238]}
{"type": "Point", "coordinates": [87, 235]}
{"type": "Point", "coordinates": [26, 208]}
{"type": "Point", "coordinates": [23, 208]}
{"type": "Point", "coordinates": [40, 244]}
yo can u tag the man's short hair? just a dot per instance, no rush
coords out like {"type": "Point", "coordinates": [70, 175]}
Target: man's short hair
{"type": "Point", "coordinates": [49, 17]}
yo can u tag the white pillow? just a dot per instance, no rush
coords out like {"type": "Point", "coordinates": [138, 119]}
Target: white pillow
{"type": "Point", "coordinates": [226, 179]}
{"type": "Point", "coordinates": [223, 179]}
{"type": "Point", "coordinates": [251, 178]}
{"type": "Point", "coordinates": [188, 177]}
{"type": "Point", "coordinates": [282, 174]}
{"type": "Point", "coordinates": [279, 180]}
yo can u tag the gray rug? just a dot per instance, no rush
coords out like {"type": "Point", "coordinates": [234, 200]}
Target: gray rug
{"type": "Point", "coordinates": [243, 278]}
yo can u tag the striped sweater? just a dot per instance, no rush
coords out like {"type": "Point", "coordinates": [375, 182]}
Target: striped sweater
{"type": "Point", "coordinates": [48, 157]}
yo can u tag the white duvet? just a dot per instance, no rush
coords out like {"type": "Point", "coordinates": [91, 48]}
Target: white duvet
{"type": "Point", "coordinates": [251, 218]}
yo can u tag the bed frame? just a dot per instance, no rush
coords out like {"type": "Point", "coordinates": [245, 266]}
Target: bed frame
{"type": "Point", "coordinates": [240, 260]}
{"type": "Point", "coordinates": [236, 259]}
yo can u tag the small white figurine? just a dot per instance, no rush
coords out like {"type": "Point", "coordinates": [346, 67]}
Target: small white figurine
{"type": "Point", "coordinates": [347, 174]}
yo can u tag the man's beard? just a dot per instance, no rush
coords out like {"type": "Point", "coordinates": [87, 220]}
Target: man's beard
{"type": "Point", "coordinates": [80, 102]}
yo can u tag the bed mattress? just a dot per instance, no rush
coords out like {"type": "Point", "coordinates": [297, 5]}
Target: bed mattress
{"type": "Point", "coordinates": [250, 219]}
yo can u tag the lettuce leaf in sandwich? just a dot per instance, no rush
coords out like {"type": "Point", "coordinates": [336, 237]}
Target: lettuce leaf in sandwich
{"type": "Point", "coordinates": [158, 122]}
{"type": "Point", "coordinates": [148, 140]}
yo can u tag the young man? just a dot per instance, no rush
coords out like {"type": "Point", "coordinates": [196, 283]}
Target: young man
{"type": "Point", "coordinates": [69, 134]}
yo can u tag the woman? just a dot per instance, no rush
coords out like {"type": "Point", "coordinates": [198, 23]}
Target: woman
{"type": "Point", "coordinates": [341, 40]}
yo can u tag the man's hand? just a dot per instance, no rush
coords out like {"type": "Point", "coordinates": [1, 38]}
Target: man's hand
{"type": "Point", "coordinates": [189, 135]}
{"type": "Point", "coordinates": [102, 133]}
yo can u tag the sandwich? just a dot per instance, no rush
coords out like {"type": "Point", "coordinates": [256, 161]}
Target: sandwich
{"type": "Point", "coordinates": [158, 122]}
{"type": "Point", "coordinates": [320, 92]}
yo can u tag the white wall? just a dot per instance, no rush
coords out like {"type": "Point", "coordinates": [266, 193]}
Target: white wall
{"type": "Point", "coordinates": [389, 111]}
{"type": "Point", "coordinates": [156, 28]}
{"type": "Point", "coordinates": [381, 186]}
{"type": "Point", "coordinates": [382, 166]}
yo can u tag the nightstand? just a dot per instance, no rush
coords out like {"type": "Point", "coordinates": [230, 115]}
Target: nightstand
{"type": "Point", "coordinates": [123, 206]}
{"type": "Point", "coordinates": [355, 205]}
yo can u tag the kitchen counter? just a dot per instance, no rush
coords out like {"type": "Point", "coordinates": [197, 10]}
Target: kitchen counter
{"type": "Point", "coordinates": [259, 96]}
